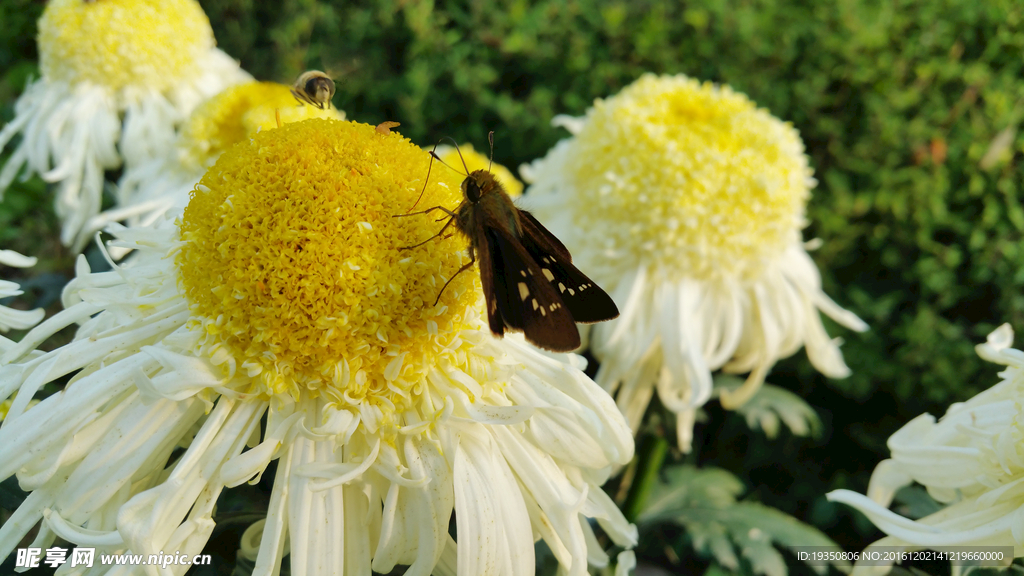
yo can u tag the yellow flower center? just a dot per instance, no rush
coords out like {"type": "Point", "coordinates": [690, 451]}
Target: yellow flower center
{"type": "Point", "coordinates": [238, 113]}
{"type": "Point", "coordinates": [477, 161]}
{"type": "Point", "coordinates": [149, 44]}
{"type": "Point", "coordinates": [293, 263]}
{"type": "Point", "coordinates": [692, 178]}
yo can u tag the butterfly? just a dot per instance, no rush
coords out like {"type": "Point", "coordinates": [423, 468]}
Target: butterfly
{"type": "Point", "coordinates": [529, 281]}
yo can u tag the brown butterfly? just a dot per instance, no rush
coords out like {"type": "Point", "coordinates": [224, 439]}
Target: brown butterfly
{"type": "Point", "coordinates": [527, 274]}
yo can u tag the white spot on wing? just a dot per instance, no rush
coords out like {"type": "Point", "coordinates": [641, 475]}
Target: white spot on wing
{"type": "Point", "coordinates": [561, 287]}
{"type": "Point", "coordinates": [548, 274]}
{"type": "Point", "coordinates": [535, 304]}
{"type": "Point", "coordinates": [572, 292]}
{"type": "Point", "coordinates": [524, 291]}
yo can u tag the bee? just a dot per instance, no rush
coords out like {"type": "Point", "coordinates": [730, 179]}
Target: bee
{"type": "Point", "coordinates": [315, 88]}
{"type": "Point", "coordinates": [528, 279]}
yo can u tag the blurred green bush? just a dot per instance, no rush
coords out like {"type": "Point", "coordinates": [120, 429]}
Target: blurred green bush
{"type": "Point", "coordinates": [909, 110]}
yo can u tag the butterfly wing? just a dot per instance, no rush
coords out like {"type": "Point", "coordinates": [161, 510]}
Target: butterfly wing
{"type": "Point", "coordinates": [524, 299]}
{"type": "Point", "coordinates": [542, 239]}
{"type": "Point", "coordinates": [585, 300]}
{"type": "Point", "coordinates": [491, 279]}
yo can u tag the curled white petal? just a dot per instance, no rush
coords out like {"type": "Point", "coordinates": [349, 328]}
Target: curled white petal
{"type": "Point", "coordinates": [970, 460]}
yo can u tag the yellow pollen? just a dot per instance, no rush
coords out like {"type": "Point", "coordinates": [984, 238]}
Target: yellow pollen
{"type": "Point", "coordinates": [293, 260]}
{"type": "Point", "coordinates": [238, 113]}
{"type": "Point", "coordinates": [151, 44]}
{"type": "Point", "coordinates": [691, 178]}
{"type": "Point", "coordinates": [477, 161]}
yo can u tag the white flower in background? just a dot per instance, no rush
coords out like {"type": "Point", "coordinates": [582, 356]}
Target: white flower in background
{"type": "Point", "coordinates": [161, 186]}
{"type": "Point", "coordinates": [685, 202]}
{"type": "Point", "coordinates": [285, 292]}
{"type": "Point", "coordinates": [972, 460]}
{"type": "Point", "coordinates": [117, 76]}
{"type": "Point", "coordinates": [9, 317]}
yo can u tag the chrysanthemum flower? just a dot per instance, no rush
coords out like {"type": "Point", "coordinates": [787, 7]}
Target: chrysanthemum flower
{"type": "Point", "coordinates": [285, 293]}
{"type": "Point", "coordinates": [117, 76]}
{"type": "Point", "coordinates": [9, 317]}
{"type": "Point", "coordinates": [162, 186]}
{"type": "Point", "coordinates": [685, 202]}
{"type": "Point", "coordinates": [972, 460]}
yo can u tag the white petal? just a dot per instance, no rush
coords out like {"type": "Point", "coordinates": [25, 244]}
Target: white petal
{"type": "Point", "coordinates": [247, 464]}
{"type": "Point", "coordinates": [560, 501]}
{"type": "Point", "coordinates": [977, 532]}
{"type": "Point", "coordinates": [23, 440]}
{"type": "Point", "coordinates": [415, 528]}
{"type": "Point", "coordinates": [1000, 339]}
{"type": "Point", "coordinates": [625, 563]}
{"type": "Point", "coordinates": [315, 516]}
{"type": "Point", "coordinates": [16, 260]}
{"type": "Point", "coordinates": [149, 520]}
{"type": "Point", "coordinates": [887, 478]}
{"type": "Point", "coordinates": [361, 529]}
{"type": "Point", "coordinates": [328, 475]}
{"type": "Point", "coordinates": [493, 526]}
{"type": "Point", "coordinates": [79, 535]}
{"type": "Point", "coordinates": [272, 540]}
{"type": "Point", "coordinates": [140, 440]}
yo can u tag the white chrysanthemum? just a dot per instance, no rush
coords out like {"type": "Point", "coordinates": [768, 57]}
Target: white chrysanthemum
{"type": "Point", "coordinates": [162, 186]}
{"type": "Point", "coordinates": [285, 292]}
{"type": "Point", "coordinates": [972, 460]}
{"type": "Point", "coordinates": [117, 76]}
{"type": "Point", "coordinates": [685, 202]}
{"type": "Point", "coordinates": [9, 317]}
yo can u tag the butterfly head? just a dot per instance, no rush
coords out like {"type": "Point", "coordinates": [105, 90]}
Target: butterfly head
{"type": "Point", "coordinates": [477, 184]}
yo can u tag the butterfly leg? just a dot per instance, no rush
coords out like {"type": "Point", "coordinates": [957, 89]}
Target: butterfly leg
{"type": "Point", "coordinates": [467, 266]}
{"type": "Point", "coordinates": [427, 211]}
{"type": "Point", "coordinates": [439, 233]}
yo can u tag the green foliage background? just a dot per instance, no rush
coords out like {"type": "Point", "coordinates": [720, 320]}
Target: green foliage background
{"type": "Point", "coordinates": [897, 102]}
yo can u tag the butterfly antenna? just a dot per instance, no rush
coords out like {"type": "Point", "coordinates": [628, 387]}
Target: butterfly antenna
{"type": "Point", "coordinates": [490, 139]}
{"type": "Point", "coordinates": [457, 149]}
{"type": "Point", "coordinates": [438, 158]}
{"type": "Point", "coordinates": [434, 156]}
{"type": "Point", "coordinates": [429, 166]}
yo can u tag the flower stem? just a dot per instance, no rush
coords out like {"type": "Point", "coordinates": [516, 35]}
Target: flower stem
{"type": "Point", "coordinates": [651, 455]}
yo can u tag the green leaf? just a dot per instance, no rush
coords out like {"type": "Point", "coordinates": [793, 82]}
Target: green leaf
{"type": "Point", "coordinates": [763, 558]}
{"type": "Point", "coordinates": [1011, 570]}
{"type": "Point", "coordinates": [913, 571]}
{"type": "Point", "coordinates": [772, 405]}
{"type": "Point", "coordinates": [716, 570]}
{"type": "Point", "coordinates": [914, 502]}
{"type": "Point", "coordinates": [688, 487]}
{"type": "Point", "coordinates": [703, 501]}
